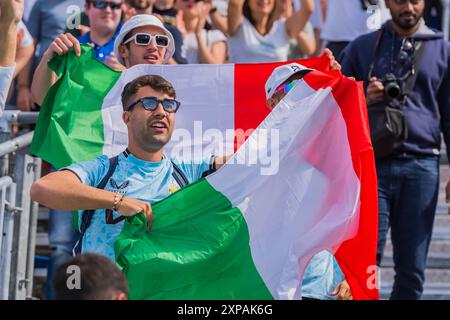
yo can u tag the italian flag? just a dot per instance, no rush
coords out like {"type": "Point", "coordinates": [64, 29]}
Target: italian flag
{"type": "Point", "coordinates": [243, 232]}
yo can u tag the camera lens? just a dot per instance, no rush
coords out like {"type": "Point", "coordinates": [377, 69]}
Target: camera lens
{"type": "Point", "coordinates": [392, 90]}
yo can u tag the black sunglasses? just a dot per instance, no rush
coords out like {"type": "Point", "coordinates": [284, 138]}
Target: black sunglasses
{"type": "Point", "coordinates": [151, 104]}
{"type": "Point", "coordinates": [104, 4]}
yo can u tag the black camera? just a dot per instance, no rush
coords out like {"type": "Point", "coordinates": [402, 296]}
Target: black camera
{"type": "Point", "coordinates": [392, 87]}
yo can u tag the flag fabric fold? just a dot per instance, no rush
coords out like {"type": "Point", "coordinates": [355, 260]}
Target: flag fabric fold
{"type": "Point", "coordinates": [278, 221]}
{"type": "Point", "coordinates": [242, 233]}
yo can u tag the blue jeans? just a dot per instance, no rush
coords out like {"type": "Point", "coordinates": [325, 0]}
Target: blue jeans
{"type": "Point", "coordinates": [407, 197]}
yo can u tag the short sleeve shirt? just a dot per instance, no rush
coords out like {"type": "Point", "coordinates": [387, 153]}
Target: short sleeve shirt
{"type": "Point", "coordinates": [135, 178]}
{"type": "Point", "coordinates": [248, 45]}
{"type": "Point", "coordinates": [49, 18]}
{"type": "Point", "coordinates": [100, 51]}
{"type": "Point", "coordinates": [190, 46]}
{"type": "Point", "coordinates": [321, 277]}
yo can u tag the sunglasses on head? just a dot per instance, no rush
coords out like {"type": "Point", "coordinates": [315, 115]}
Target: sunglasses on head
{"type": "Point", "coordinates": [144, 39]}
{"type": "Point", "coordinates": [104, 4]}
{"type": "Point", "coordinates": [286, 87]}
{"type": "Point", "coordinates": [151, 104]}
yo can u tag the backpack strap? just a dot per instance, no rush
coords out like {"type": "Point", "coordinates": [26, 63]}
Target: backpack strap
{"type": "Point", "coordinates": [179, 176]}
{"type": "Point", "coordinates": [411, 81]}
{"type": "Point", "coordinates": [87, 215]}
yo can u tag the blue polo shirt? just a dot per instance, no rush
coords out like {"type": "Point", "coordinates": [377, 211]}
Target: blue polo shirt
{"type": "Point", "coordinates": [100, 52]}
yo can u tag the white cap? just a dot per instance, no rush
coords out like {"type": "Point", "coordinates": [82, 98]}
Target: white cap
{"type": "Point", "coordinates": [280, 75]}
{"type": "Point", "coordinates": [141, 20]}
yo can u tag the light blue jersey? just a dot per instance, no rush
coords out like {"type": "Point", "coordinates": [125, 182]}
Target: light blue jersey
{"type": "Point", "coordinates": [135, 178]}
{"type": "Point", "coordinates": [322, 276]}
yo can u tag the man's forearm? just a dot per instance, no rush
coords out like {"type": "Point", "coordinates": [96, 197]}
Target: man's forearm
{"type": "Point", "coordinates": [43, 79]}
{"type": "Point", "coordinates": [7, 42]}
{"type": "Point", "coordinates": [63, 190]}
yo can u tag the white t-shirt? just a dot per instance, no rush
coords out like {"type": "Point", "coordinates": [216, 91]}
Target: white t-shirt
{"type": "Point", "coordinates": [189, 50]}
{"type": "Point", "coordinates": [6, 76]}
{"type": "Point", "coordinates": [247, 45]}
{"type": "Point", "coordinates": [346, 20]}
{"type": "Point", "coordinates": [316, 18]}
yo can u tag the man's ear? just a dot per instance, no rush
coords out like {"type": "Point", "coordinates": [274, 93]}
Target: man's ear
{"type": "Point", "coordinates": [270, 103]}
{"type": "Point", "coordinates": [126, 117]}
{"type": "Point", "coordinates": [123, 51]}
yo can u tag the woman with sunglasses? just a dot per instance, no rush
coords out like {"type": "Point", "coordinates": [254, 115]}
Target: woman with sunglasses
{"type": "Point", "coordinates": [200, 45]}
{"type": "Point", "coordinates": [255, 33]}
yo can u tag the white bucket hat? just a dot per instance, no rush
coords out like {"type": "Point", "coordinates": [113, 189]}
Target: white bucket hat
{"type": "Point", "coordinates": [141, 20]}
{"type": "Point", "coordinates": [280, 75]}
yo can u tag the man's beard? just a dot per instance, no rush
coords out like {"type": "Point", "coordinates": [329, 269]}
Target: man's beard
{"type": "Point", "coordinates": [408, 24]}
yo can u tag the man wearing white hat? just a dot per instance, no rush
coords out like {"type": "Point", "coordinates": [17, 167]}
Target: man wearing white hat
{"type": "Point", "coordinates": [323, 279]}
{"type": "Point", "coordinates": [142, 40]}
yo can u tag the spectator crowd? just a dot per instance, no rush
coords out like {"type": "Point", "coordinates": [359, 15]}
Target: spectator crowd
{"type": "Point", "coordinates": [392, 44]}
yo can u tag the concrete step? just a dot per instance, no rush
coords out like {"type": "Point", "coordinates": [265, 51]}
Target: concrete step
{"type": "Point", "coordinates": [434, 261]}
{"type": "Point", "coordinates": [432, 276]}
{"type": "Point", "coordinates": [431, 292]}
{"type": "Point", "coordinates": [439, 233]}
{"type": "Point", "coordinates": [436, 247]}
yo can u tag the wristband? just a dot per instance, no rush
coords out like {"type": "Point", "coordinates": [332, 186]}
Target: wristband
{"type": "Point", "coordinates": [117, 201]}
{"type": "Point", "coordinates": [213, 9]}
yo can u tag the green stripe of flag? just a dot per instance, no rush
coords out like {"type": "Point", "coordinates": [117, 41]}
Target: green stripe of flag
{"type": "Point", "coordinates": [70, 125]}
{"type": "Point", "coordinates": [198, 248]}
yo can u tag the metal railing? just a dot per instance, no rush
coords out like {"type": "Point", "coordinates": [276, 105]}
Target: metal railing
{"type": "Point", "coordinates": [18, 214]}
{"type": "Point", "coordinates": [446, 18]}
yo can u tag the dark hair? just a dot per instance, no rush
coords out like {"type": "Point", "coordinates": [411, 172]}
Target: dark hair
{"type": "Point", "coordinates": [155, 82]}
{"type": "Point", "coordinates": [99, 279]}
{"type": "Point", "coordinates": [247, 12]}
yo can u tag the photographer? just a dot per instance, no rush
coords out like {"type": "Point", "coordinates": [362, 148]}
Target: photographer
{"type": "Point", "coordinates": [404, 67]}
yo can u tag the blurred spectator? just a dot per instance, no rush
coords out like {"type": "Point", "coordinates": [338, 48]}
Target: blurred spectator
{"type": "Point", "coordinates": [134, 7]}
{"type": "Point", "coordinates": [28, 5]}
{"type": "Point", "coordinates": [323, 278]}
{"type": "Point", "coordinates": [24, 55]}
{"type": "Point", "coordinates": [11, 12]}
{"type": "Point", "coordinates": [346, 20]}
{"type": "Point", "coordinates": [90, 276]}
{"type": "Point", "coordinates": [405, 69]}
{"type": "Point", "coordinates": [166, 9]}
{"type": "Point", "coordinates": [255, 35]}
{"type": "Point", "coordinates": [304, 44]}
{"type": "Point", "coordinates": [433, 14]}
{"type": "Point", "coordinates": [46, 20]}
{"type": "Point", "coordinates": [49, 18]}
{"type": "Point", "coordinates": [104, 20]}
{"type": "Point", "coordinates": [200, 45]}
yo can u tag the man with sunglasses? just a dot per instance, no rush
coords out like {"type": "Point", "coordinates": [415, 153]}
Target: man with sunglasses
{"type": "Point", "coordinates": [104, 21]}
{"type": "Point", "coordinates": [323, 279]}
{"type": "Point", "coordinates": [138, 7]}
{"type": "Point", "coordinates": [408, 176]}
{"type": "Point", "coordinates": [132, 53]}
{"type": "Point", "coordinates": [140, 176]}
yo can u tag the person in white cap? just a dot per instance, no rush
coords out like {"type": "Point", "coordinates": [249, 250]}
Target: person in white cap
{"type": "Point", "coordinates": [323, 279]}
{"type": "Point", "coordinates": [143, 39]}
